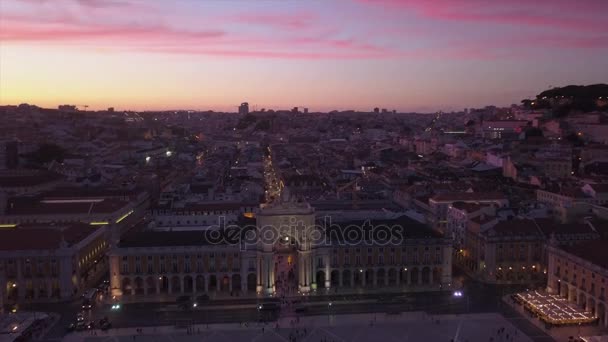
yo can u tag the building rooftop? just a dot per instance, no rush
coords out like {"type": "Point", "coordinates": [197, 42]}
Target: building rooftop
{"type": "Point", "coordinates": [468, 196]}
{"type": "Point", "coordinates": [165, 239]}
{"type": "Point", "coordinates": [468, 206]}
{"type": "Point", "coordinates": [596, 252]}
{"type": "Point", "coordinates": [26, 179]}
{"type": "Point", "coordinates": [515, 227]}
{"type": "Point", "coordinates": [600, 188]}
{"type": "Point", "coordinates": [549, 227]}
{"type": "Point", "coordinates": [410, 229]}
{"type": "Point", "coordinates": [40, 206]}
{"type": "Point", "coordinates": [44, 237]}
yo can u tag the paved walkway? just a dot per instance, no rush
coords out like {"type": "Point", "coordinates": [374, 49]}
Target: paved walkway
{"type": "Point", "coordinates": [411, 326]}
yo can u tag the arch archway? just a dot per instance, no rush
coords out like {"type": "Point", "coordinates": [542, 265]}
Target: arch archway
{"type": "Point", "coordinates": [380, 277]}
{"type": "Point", "coordinates": [163, 284]}
{"type": "Point", "coordinates": [13, 291]}
{"type": "Point", "coordinates": [358, 278]}
{"type": "Point", "coordinates": [176, 284]}
{"type": "Point", "coordinates": [437, 275]}
{"type": "Point", "coordinates": [346, 278]}
{"type": "Point", "coordinates": [426, 275]}
{"type": "Point", "coordinates": [200, 283]}
{"type": "Point", "coordinates": [392, 277]}
{"type": "Point", "coordinates": [212, 283]}
{"type": "Point", "coordinates": [225, 284]}
{"type": "Point", "coordinates": [403, 275]}
{"type": "Point", "coordinates": [369, 277]}
{"type": "Point", "coordinates": [188, 284]}
{"type": "Point", "coordinates": [582, 300]}
{"type": "Point", "coordinates": [320, 278]}
{"type": "Point", "coordinates": [126, 286]}
{"type": "Point", "coordinates": [500, 276]}
{"type": "Point", "coordinates": [571, 296]}
{"type": "Point", "coordinates": [151, 285]}
{"type": "Point", "coordinates": [334, 278]}
{"type": "Point", "coordinates": [601, 314]}
{"type": "Point", "coordinates": [251, 282]}
{"type": "Point", "coordinates": [139, 286]}
{"type": "Point", "coordinates": [414, 275]}
{"type": "Point", "coordinates": [591, 305]}
{"type": "Point", "coordinates": [236, 282]}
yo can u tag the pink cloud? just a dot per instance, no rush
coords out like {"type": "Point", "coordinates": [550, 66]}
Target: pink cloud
{"type": "Point", "coordinates": [301, 35]}
{"type": "Point", "coordinates": [297, 42]}
{"type": "Point", "coordinates": [19, 32]}
{"type": "Point", "coordinates": [582, 15]}
{"type": "Point", "coordinates": [297, 21]}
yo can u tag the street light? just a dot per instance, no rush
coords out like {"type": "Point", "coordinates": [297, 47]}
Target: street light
{"type": "Point", "coordinates": [148, 159]}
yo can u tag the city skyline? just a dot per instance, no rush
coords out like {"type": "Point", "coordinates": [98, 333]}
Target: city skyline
{"type": "Point", "coordinates": [347, 54]}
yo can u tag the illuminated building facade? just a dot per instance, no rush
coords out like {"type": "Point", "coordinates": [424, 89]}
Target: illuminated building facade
{"type": "Point", "coordinates": [50, 262]}
{"type": "Point", "coordinates": [579, 273]}
{"type": "Point", "coordinates": [292, 257]}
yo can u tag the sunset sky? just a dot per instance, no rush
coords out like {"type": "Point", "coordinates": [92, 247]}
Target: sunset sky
{"type": "Point", "coordinates": [407, 55]}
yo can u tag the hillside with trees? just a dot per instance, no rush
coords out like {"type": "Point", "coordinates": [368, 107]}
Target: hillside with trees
{"type": "Point", "coordinates": [562, 101]}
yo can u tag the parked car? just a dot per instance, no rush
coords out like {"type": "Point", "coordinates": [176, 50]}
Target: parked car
{"type": "Point", "coordinates": [87, 304]}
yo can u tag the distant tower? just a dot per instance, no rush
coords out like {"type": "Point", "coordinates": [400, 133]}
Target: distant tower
{"type": "Point", "coordinates": [376, 110]}
{"type": "Point", "coordinates": [244, 108]}
{"type": "Point", "coordinates": [305, 110]}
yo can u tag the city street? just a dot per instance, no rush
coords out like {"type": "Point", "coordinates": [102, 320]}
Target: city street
{"type": "Point", "coordinates": [477, 298]}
